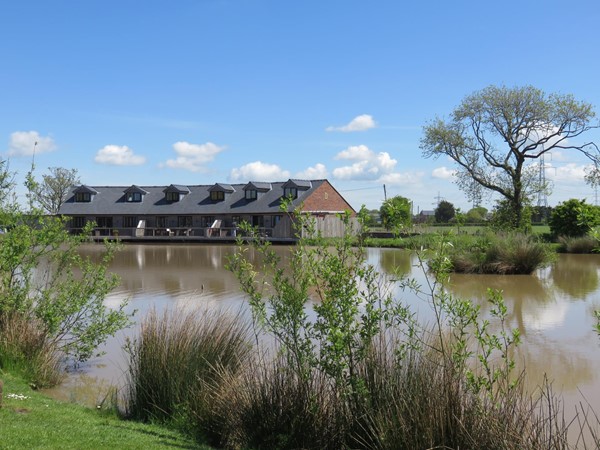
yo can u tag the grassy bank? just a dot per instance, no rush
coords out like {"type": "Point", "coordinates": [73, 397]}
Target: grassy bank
{"type": "Point", "coordinates": [29, 419]}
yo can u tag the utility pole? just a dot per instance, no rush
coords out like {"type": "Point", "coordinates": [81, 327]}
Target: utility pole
{"type": "Point", "coordinates": [384, 194]}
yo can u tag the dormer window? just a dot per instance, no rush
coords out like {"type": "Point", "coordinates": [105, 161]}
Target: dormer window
{"type": "Point", "coordinates": [134, 194]}
{"type": "Point", "coordinates": [253, 190]}
{"type": "Point", "coordinates": [84, 194]}
{"type": "Point", "coordinates": [217, 196]}
{"type": "Point", "coordinates": [83, 197]}
{"type": "Point", "coordinates": [290, 192]}
{"type": "Point", "coordinates": [219, 190]}
{"type": "Point", "coordinates": [174, 193]}
{"type": "Point", "coordinates": [291, 188]}
{"type": "Point", "coordinates": [172, 196]}
{"type": "Point", "coordinates": [135, 197]}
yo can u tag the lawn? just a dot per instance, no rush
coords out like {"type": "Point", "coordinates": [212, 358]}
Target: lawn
{"type": "Point", "coordinates": [31, 420]}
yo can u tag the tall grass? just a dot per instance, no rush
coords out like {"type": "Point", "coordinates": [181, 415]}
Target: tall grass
{"type": "Point", "coordinates": [582, 244]}
{"type": "Point", "coordinates": [200, 372]}
{"type": "Point", "coordinates": [27, 350]}
{"type": "Point", "coordinates": [175, 355]}
{"type": "Point", "coordinates": [504, 254]}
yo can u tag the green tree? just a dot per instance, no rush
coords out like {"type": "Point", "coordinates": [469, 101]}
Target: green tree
{"type": "Point", "coordinates": [496, 135]}
{"type": "Point", "coordinates": [396, 213]}
{"type": "Point", "coordinates": [476, 215]}
{"type": "Point", "coordinates": [574, 218]}
{"type": "Point", "coordinates": [45, 280]}
{"type": "Point", "coordinates": [54, 189]}
{"type": "Point", "coordinates": [444, 212]}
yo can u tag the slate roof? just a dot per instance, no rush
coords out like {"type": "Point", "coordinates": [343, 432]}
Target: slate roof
{"type": "Point", "coordinates": [112, 201]}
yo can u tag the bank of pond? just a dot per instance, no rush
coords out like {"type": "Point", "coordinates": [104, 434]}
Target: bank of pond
{"type": "Point", "coordinates": [355, 368]}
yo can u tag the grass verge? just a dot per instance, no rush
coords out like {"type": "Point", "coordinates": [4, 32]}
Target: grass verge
{"type": "Point", "coordinates": [28, 419]}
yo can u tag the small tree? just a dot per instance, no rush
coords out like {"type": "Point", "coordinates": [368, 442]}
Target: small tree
{"type": "Point", "coordinates": [53, 191]}
{"type": "Point", "coordinates": [45, 280]}
{"type": "Point", "coordinates": [574, 218]}
{"type": "Point", "coordinates": [396, 213]}
{"type": "Point", "coordinates": [444, 212]}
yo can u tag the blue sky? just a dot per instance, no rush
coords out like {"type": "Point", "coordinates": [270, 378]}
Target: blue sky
{"type": "Point", "coordinates": [204, 91]}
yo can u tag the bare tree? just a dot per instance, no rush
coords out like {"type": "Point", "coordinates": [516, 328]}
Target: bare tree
{"type": "Point", "coordinates": [496, 134]}
{"type": "Point", "coordinates": [52, 192]}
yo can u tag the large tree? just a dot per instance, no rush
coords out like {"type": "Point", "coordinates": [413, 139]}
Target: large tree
{"type": "Point", "coordinates": [496, 135]}
{"type": "Point", "coordinates": [54, 189]}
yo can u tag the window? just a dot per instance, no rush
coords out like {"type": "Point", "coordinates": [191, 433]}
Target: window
{"type": "Point", "coordinates": [81, 197]}
{"type": "Point", "coordinates": [258, 221]}
{"type": "Point", "coordinates": [172, 196]}
{"type": "Point", "coordinates": [104, 222]}
{"type": "Point", "coordinates": [217, 196]}
{"type": "Point", "coordinates": [134, 197]}
{"type": "Point", "coordinates": [129, 221]}
{"type": "Point", "coordinates": [290, 192]}
{"type": "Point", "coordinates": [206, 221]}
{"type": "Point", "coordinates": [251, 194]}
{"type": "Point", "coordinates": [161, 222]}
{"type": "Point", "coordinates": [276, 220]}
{"type": "Point", "coordinates": [78, 222]}
{"type": "Point", "coordinates": [184, 221]}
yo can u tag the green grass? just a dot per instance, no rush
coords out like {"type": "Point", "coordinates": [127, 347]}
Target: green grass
{"type": "Point", "coordinates": [38, 422]}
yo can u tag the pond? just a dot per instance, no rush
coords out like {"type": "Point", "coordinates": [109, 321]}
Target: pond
{"type": "Point", "coordinates": [553, 310]}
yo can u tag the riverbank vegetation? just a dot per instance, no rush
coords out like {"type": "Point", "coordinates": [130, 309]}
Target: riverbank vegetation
{"type": "Point", "coordinates": [352, 369]}
{"type": "Point", "coordinates": [52, 310]}
{"type": "Point", "coordinates": [31, 420]}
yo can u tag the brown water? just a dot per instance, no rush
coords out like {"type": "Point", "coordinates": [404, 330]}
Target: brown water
{"type": "Point", "coordinates": [553, 309]}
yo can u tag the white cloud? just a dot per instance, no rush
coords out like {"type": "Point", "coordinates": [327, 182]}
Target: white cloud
{"type": "Point", "coordinates": [359, 123]}
{"type": "Point", "coordinates": [355, 152]}
{"type": "Point", "coordinates": [259, 171]}
{"type": "Point", "coordinates": [193, 157]}
{"type": "Point", "coordinates": [22, 143]}
{"type": "Point", "coordinates": [406, 178]}
{"type": "Point", "coordinates": [368, 165]}
{"type": "Point", "coordinates": [443, 173]}
{"type": "Point", "coordinates": [118, 155]}
{"type": "Point", "coordinates": [318, 172]}
{"type": "Point", "coordinates": [568, 173]}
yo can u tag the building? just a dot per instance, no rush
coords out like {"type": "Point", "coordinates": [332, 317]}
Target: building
{"type": "Point", "coordinates": [203, 212]}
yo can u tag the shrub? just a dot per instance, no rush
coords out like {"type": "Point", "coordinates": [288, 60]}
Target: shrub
{"type": "Point", "coordinates": [574, 218]}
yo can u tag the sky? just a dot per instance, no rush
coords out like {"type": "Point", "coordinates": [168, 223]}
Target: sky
{"type": "Point", "coordinates": [205, 91]}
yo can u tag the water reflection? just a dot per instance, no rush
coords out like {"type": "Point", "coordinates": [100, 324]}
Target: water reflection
{"type": "Point", "coordinates": [576, 275]}
{"type": "Point", "coordinates": [553, 309]}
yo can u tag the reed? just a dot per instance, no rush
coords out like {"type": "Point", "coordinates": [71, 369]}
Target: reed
{"type": "Point", "coordinates": [27, 350]}
{"type": "Point", "coordinates": [582, 244]}
{"type": "Point", "coordinates": [505, 254]}
{"type": "Point", "coordinates": [175, 355]}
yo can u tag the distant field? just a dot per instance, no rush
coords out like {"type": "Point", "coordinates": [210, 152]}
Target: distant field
{"type": "Point", "coordinates": [468, 229]}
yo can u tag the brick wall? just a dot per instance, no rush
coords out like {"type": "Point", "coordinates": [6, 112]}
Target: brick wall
{"type": "Point", "coordinates": [326, 198]}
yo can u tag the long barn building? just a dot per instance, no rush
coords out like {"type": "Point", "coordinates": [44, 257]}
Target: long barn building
{"type": "Point", "coordinates": [204, 211]}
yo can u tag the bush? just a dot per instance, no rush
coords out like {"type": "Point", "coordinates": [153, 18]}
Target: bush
{"type": "Point", "coordinates": [46, 282]}
{"type": "Point", "coordinates": [574, 218]}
